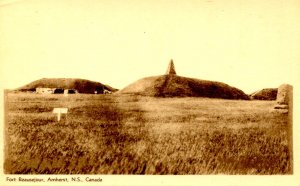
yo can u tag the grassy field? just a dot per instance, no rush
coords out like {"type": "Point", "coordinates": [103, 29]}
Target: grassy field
{"type": "Point", "coordinates": [109, 134]}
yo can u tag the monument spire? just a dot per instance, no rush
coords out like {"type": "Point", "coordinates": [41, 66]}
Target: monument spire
{"type": "Point", "coordinates": [171, 68]}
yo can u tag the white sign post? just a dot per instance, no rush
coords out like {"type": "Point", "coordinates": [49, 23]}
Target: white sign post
{"type": "Point", "coordinates": [66, 91]}
{"type": "Point", "coordinates": [60, 111]}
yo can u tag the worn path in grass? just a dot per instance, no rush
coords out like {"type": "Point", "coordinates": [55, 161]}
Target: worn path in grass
{"type": "Point", "coordinates": [107, 134]}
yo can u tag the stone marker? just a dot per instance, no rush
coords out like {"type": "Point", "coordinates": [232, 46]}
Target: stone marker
{"type": "Point", "coordinates": [60, 111]}
{"type": "Point", "coordinates": [284, 97]}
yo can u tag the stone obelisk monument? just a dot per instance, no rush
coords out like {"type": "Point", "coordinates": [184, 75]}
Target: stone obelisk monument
{"type": "Point", "coordinates": [171, 68]}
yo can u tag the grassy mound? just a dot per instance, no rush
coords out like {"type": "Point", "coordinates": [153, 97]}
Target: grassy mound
{"type": "Point", "coordinates": [178, 86]}
{"type": "Point", "coordinates": [81, 85]}
{"type": "Point", "coordinates": [265, 94]}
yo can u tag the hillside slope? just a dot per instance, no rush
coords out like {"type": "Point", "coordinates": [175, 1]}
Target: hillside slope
{"type": "Point", "coordinates": [265, 94]}
{"type": "Point", "coordinates": [81, 85]}
{"type": "Point", "coordinates": [178, 86]}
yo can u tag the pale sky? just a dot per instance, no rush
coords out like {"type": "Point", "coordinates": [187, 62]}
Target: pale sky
{"type": "Point", "coordinates": [247, 44]}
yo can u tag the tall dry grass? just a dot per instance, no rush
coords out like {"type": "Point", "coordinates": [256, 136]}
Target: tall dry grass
{"type": "Point", "coordinates": [107, 134]}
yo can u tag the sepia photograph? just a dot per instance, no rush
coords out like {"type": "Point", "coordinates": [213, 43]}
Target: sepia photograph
{"type": "Point", "coordinates": [110, 92]}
